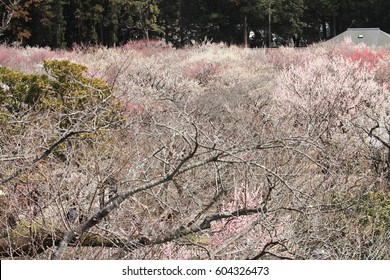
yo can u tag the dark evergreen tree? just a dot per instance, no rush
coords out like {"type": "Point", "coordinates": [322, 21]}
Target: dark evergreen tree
{"type": "Point", "coordinates": [48, 25]}
{"type": "Point", "coordinates": [169, 19]}
{"type": "Point", "coordinates": [60, 23]}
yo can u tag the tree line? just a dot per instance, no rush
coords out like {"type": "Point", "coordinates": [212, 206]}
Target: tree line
{"type": "Point", "coordinates": [61, 23]}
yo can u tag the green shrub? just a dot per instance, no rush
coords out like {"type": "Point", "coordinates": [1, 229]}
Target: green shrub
{"type": "Point", "coordinates": [374, 212]}
{"type": "Point", "coordinates": [64, 89]}
{"type": "Point", "coordinates": [70, 88]}
{"type": "Point", "coordinates": [18, 89]}
{"type": "Point", "coordinates": [64, 85]}
{"type": "Point", "coordinates": [369, 211]}
{"type": "Point", "coordinates": [38, 109]}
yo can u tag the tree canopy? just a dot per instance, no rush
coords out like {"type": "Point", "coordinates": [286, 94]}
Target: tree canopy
{"type": "Point", "coordinates": [59, 23]}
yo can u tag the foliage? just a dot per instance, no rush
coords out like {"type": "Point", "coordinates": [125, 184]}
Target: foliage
{"type": "Point", "coordinates": [373, 212]}
{"type": "Point", "coordinates": [18, 89]}
{"type": "Point", "coordinates": [64, 87]}
{"type": "Point", "coordinates": [284, 156]}
{"type": "Point", "coordinates": [59, 24]}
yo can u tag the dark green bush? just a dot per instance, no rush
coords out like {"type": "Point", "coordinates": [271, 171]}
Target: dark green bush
{"type": "Point", "coordinates": [65, 89]}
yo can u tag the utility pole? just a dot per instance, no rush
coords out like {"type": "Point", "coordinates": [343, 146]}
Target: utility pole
{"type": "Point", "coordinates": [245, 31]}
{"type": "Point", "coordinates": [269, 25]}
{"type": "Point", "coordinates": [181, 24]}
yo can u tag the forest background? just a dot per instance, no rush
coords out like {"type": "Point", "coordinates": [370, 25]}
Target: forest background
{"type": "Point", "coordinates": [60, 23]}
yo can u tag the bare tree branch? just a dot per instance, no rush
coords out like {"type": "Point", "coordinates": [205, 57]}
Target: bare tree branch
{"type": "Point", "coordinates": [44, 155]}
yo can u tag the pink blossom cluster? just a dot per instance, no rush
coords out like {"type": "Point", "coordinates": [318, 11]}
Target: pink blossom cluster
{"type": "Point", "coordinates": [28, 59]}
{"type": "Point", "coordinates": [147, 47]}
{"type": "Point", "coordinates": [329, 92]}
